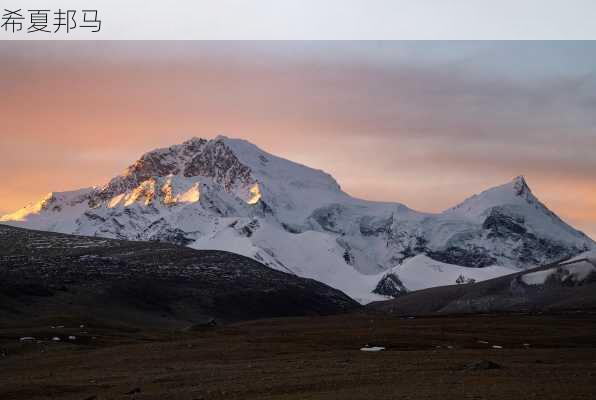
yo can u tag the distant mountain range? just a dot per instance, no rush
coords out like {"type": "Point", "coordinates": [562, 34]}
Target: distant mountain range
{"type": "Point", "coordinates": [227, 194]}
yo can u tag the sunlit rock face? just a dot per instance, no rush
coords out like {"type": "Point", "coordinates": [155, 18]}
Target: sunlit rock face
{"type": "Point", "coordinates": [254, 194]}
{"type": "Point", "coordinates": [228, 194]}
{"type": "Point", "coordinates": [208, 161]}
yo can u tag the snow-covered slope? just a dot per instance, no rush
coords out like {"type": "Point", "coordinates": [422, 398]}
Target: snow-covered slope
{"type": "Point", "coordinates": [228, 194]}
{"type": "Point", "coordinates": [421, 272]}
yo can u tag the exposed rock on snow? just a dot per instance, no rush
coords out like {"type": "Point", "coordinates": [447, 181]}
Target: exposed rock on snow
{"type": "Point", "coordinates": [390, 285]}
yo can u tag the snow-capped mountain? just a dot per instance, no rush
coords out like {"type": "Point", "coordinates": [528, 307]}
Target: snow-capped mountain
{"type": "Point", "coordinates": [227, 194]}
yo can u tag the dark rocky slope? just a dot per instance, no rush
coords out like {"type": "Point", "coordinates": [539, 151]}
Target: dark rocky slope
{"type": "Point", "coordinates": [43, 274]}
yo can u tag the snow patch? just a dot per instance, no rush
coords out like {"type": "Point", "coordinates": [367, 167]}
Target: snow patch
{"type": "Point", "coordinates": [421, 272]}
{"type": "Point", "coordinates": [538, 277]}
{"type": "Point", "coordinates": [575, 270]}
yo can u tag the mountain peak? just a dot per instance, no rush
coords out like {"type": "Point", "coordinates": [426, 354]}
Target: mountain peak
{"type": "Point", "coordinates": [239, 167]}
{"type": "Point", "coordinates": [515, 192]}
{"type": "Point", "coordinates": [194, 158]}
{"type": "Point", "coordinates": [520, 186]}
{"type": "Point", "coordinates": [195, 140]}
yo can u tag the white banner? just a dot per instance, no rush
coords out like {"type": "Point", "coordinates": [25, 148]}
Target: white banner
{"type": "Point", "coordinates": [297, 19]}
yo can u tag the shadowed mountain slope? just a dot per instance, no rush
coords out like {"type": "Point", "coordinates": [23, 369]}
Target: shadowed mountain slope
{"type": "Point", "coordinates": [146, 283]}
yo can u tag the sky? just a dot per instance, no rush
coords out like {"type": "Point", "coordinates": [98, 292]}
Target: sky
{"type": "Point", "coordinates": [426, 124]}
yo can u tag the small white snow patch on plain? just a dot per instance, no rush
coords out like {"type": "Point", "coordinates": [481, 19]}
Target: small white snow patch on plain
{"type": "Point", "coordinates": [72, 338]}
{"type": "Point", "coordinates": [497, 347]}
{"type": "Point", "coordinates": [26, 338]}
{"type": "Point", "coordinates": [55, 339]}
{"type": "Point", "coordinates": [482, 341]}
{"type": "Point", "coordinates": [373, 348]}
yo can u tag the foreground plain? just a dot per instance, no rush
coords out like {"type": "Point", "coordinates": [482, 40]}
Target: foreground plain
{"type": "Point", "coordinates": [540, 356]}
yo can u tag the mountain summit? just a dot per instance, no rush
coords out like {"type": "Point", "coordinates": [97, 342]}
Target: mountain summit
{"type": "Point", "coordinates": [227, 194]}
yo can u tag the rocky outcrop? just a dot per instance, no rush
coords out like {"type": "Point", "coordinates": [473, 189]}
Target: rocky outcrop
{"type": "Point", "coordinates": [391, 286]}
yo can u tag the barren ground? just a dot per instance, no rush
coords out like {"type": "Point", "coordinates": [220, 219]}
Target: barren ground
{"type": "Point", "coordinates": [306, 358]}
